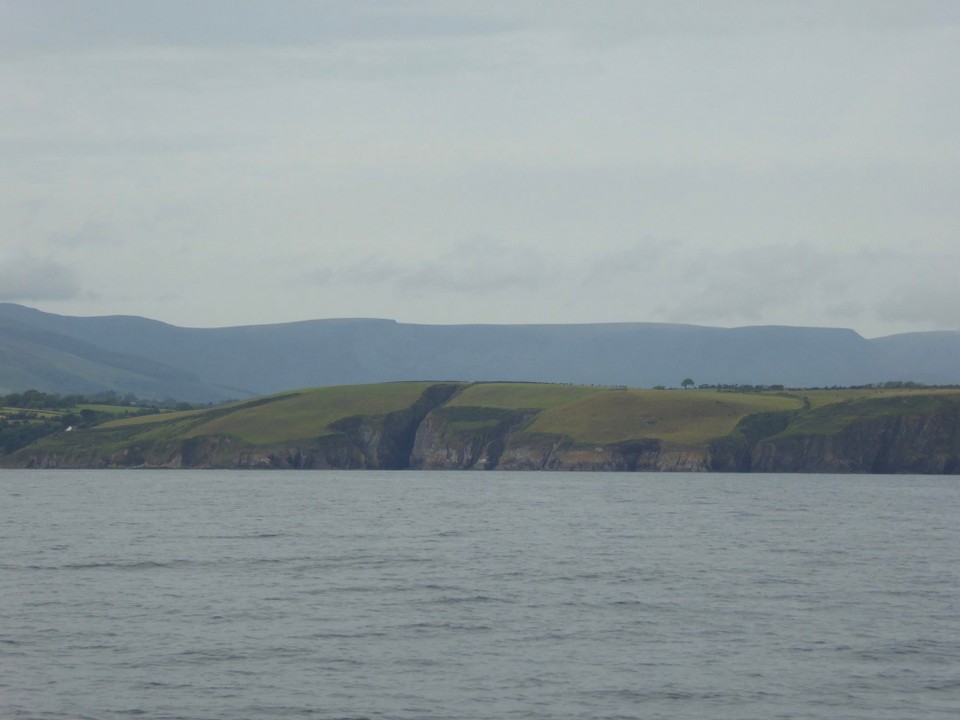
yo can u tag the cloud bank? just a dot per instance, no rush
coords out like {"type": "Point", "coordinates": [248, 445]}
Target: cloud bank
{"type": "Point", "coordinates": [25, 277]}
{"type": "Point", "coordinates": [230, 163]}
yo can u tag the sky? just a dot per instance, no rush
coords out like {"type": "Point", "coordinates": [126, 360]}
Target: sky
{"type": "Point", "coordinates": [234, 162]}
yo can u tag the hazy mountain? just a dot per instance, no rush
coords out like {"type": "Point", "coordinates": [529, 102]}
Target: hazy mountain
{"type": "Point", "coordinates": [32, 357]}
{"type": "Point", "coordinates": [933, 357]}
{"type": "Point", "coordinates": [152, 359]}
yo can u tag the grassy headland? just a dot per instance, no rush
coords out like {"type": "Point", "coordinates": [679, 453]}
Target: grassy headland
{"type": "Point", "coordinates": [380, 425]}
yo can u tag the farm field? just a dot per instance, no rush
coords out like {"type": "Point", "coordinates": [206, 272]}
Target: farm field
{"type": "Point", "coordinates": [346, 424]}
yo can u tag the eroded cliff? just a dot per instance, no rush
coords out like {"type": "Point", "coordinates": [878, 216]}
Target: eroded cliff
{"type": "Point", "coordinates": [897, 444]}
{"type": "Point", "coordinates": [436, 426]}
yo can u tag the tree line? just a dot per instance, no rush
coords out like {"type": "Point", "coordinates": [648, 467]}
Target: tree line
{"type": "Point", "coordinates": [27, 416]}
{"type": "Point", "coordinates": [38, 400]}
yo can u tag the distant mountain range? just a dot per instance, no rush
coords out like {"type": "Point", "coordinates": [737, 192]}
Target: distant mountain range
{"type": "Point", "coordinates": [151, 359]}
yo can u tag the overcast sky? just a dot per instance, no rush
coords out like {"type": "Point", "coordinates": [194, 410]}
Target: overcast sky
{"type": "Point", "coordinates": [223, 162]}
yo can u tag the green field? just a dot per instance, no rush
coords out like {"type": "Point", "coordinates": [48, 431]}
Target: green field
{"type": "Point", "coordinates": [111, 409]}
{"type": "Point", "coordinates": [520, 396]}
{"type": "Point", "coordinates": [819, 398]}
{"type": "Point", "coordinates": [684, 417]}
{"type": "Point", "coordinates": [826, 418]}
{"type": "Point", "coordinates": [585, 414]}
{"type": "Point", "coordinates": [483, 412]}
{"type": "Point", "coordinates": [118, 410]}
{"type": "Point", "coordinates": [42, 413]}
{"type": "Point", "coordinates": [603, 415]}
{"type": "Point", "coordinates": [285, 417]}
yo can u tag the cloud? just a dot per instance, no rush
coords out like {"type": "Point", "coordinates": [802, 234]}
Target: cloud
{"type": "Point", "coordinates": [922, 292]}
{"type": "Point", "coordinates": [56, 25]}
{"type": "Point", "coordinates": [87, 234]}
{"type": "Point", "coordinates": [602, 23]}
{"type": "Point", "coordinates": [26, 277]}
{"type": "Point", "coordinates": [749, 283]}
{"type": "Point", "coordinates": [720, 163]}
{"type": "Point", "coordinates": [802, 284]}
{"type": "Point", "coordinates": [478, 265]}
{"type": "Point", "coordinates": [872, 289]}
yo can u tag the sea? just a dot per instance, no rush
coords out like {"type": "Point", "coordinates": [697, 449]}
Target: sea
{"type": "Point", "coordinates": [231, 595]}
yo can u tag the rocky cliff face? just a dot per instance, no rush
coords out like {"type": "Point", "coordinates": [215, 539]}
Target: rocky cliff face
{"type": "Point", "coordinates": [387, 442]}
{"type": "Point", "coordinates": [371, 442]}
{"type": "Point", "coordinates": [470, 438]}
{"type": "Point", "coordinates": [208, 452]}
{"type": "Point", "coordinates": [897, 444]}
{"type": "Point", "coordinates": [557, 453]}
{"type": "Point", "coordinates": [465, 438]}
{"type": "Point", "coordinates": [874, 437]}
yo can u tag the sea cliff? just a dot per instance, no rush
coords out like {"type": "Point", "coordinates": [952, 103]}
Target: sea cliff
{"type": "Point", "coordinates": [460, 426]}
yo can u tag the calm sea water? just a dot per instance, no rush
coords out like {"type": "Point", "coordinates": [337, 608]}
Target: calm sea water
{"type": "Point", "coordinates": [234, 595]}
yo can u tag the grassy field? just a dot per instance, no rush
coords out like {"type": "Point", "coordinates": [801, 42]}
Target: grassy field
{"type": "Point", "coordinates": [8, 411]}
{"type": "Point", "coordinates": [604, 415]}
{"type": "Point", "coordinates": [819, 398]}
{"type": "Point", "coordinates": [155, 418]}
{"type": "Point", "coordinates": [119, 410]}
{"type": "Point", "coordinates": [285, 417]}
{"type": "Point", "coordinates": [684, 417]}
{"type": "Point", "coordinates": [521, 396]}
{"type": "Point", "coordinates": [587, 415]}
{"type": "Point", "coordinates": [826, 418]}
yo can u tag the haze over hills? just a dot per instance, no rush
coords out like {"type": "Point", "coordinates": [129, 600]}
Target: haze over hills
{"type": "Point", "coordinates": [152, 359]}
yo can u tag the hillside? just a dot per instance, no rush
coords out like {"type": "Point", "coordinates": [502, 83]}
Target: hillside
{"type": "Point", "coordinates": [34, 358]}
{"type": "Point", "coordinates": [527, 426]}
{"type": "Point", "coordinates": [151, 359]}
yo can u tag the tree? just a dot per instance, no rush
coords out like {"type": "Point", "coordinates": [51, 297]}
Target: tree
{"type": "Point", "coordinates": [687, 383]}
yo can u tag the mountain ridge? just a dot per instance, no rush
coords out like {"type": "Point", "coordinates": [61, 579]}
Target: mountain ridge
{"type": "Point", "coordinates": [153, 359]}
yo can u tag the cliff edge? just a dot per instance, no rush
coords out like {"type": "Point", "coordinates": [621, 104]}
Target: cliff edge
{"type": "Point", "coordinates": [528, 426]}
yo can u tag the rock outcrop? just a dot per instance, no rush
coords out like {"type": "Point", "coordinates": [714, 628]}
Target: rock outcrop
{"type": "Point", "coordinates": [917, 433]}
{"type": "Point", "coordinates": [358, 442]}
{"type": "Point", "coordinates": [899, 444]}
{"type": "Point", "coordinates": [326, 453]}
{"type": "Point", "coordinates": [475, 438]}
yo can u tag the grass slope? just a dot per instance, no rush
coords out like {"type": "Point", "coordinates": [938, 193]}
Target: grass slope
{"type": "Point", "coordinates": [683, 417]}
{"type": "Point", "coordinates": [279, 418]}
{"type": "Point", "coordinates": [818, 398]}
{"type": "Point", "coordinates": [522, 396]}
{"type": "Point", "coordinates": [31, 357]}
{"type": "Point", "coordinates": [600, 415]}
{"type": "Point", "coordinates": [585, 415]}
{"type": "Point", "coordinates": [830, 418]}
